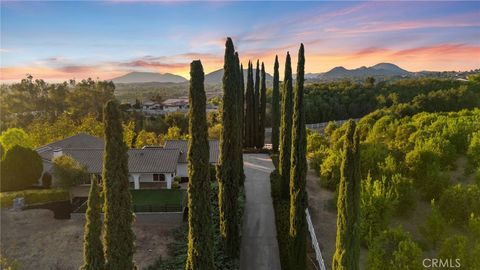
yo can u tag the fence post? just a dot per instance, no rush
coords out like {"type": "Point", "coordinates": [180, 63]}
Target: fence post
{"type": "Point", "coordinates": [316, 247]}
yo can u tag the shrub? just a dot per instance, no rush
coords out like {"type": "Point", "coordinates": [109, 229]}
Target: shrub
{"type": "Point", "coordinates": [34, 196]}
{"type": "Point", "coordinates": [176, 184]}
{"type": "Point", "coordinates": [67, 172]}
{"type": "Point", "coordinates": [394, 249]}
{"type": "Point", "coordinates": [403, 194]}
{"type": "Point", "coordinates": [21, 168]}
{"type": "Point", "coordinates": [473, 151]}
{"type": "Point", "coordinates": [15, 136]}
{"type": "Point", "coordinates": [459, 202]}
{"type": "Point", "coordinates": [376, 208]}
{"type": "Point", "coordinates": [47, 180]}
{"type": "Point", "coordinates": [282, 214]}
{"type": "Point", "coordinates": [435, 227]}
{"type": "Point", "coordinates": [330, 170]}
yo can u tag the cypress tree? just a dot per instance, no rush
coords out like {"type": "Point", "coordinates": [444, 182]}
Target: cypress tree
{"type": "Point", "coordinates": [263, 107]}
{"type": "Point", "coordinates": [93, 258]}
{"type": "Point", "coordinates": [347, 248]}
{"type": "Point", "coordinates": [286, 130]}
{"type": "Point", "coordinates": [119, 237]}
{"type": "Point", "coordinates": [200, 230]}
{"type": "Point", "coordinates": [256, 106]}
{"type": "Point", "coordinates": [298, 172]}
{"type": "Point", "coordinates": [240, 107]}
{"type": "Point", "coordinates": [275, 106]}
{"type": "Point", "coordinates": [249, 111]}
{"type": "Point", "coordinates": [227, 173]}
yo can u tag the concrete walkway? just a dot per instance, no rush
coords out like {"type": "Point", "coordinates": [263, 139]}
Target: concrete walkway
{"type": "Point", "coordinates": [259, 247]}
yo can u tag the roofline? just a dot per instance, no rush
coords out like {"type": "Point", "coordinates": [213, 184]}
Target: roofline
{"type": "Point", "coordinates": [47, 145]}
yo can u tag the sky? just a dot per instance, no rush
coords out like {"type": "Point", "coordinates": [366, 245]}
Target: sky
{"type": "Point", "coordinates": [57, 40]}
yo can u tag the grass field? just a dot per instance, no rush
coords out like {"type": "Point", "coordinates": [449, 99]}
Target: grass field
{"type": "Point", "coordinates": [158, 196]}
{"type": "Point", "coordinates": [154, 200]}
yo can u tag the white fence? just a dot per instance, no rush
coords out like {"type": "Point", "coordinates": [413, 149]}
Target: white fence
{"type": "Point", "coordinates": [316, 247]}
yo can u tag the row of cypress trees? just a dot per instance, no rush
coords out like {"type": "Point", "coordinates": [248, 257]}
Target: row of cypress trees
{"type": "Point", "coordinates": [117, 249]}
{"type": "Point", "coordinates": [256, 104]}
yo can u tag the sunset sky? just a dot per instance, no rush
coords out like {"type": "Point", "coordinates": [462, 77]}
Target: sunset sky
{"type": "Point", "coordinates": [65, 40]}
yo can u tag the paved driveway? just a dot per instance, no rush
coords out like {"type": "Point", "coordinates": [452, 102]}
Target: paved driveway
{"type": "Point", "coordinates": [259, 247]}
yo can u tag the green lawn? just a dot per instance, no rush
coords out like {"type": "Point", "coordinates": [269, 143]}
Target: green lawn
{"type": "Point", "coordinates": [158, 196]}
{"type": "Point", "coordinates": [154, 200]}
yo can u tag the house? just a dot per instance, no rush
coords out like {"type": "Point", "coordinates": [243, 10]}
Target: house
{"type": "Point", "coordinates": [182, 145]}
{"type": "Point", "coordinates": [175, 105]}
{"type": "Point", "coordinates": [149, 167]}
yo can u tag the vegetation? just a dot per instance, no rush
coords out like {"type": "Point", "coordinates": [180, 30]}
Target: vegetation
{"type": "Point", "coordinates": [275, 106]}
{"type": "Point", "coordinates": [227, 171]}
{"type": "Point", "coordinates": [286, 129]}
{"type": "Point", "coordinates": [200, 232]}
{"type": "Point", "coordinates": [34, 196]}
{"type": "Point", "coordinates": [20, 169]}
{"type": "Point", "coordinates": [15, 136]}
{"type": "Point", "coordinates": [93, 258]}
{"type": "Point", "coordinates": [262, 109]}
{"type": "Point", "coordinates": [68, 172]}
{"type": "Point", "coordinates": [298, 172]}
{"type": "Point", "coordinates": [347, 251]}
{"type": "Point", "coordinates": [346, 99]}
{"type": "Point", "coordinates": [249, 110]}
{"type": "Point", "coordinates": [119, 237]}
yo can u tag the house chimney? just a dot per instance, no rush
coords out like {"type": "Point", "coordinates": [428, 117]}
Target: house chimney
{"type": "Point", "coordinates": [57, 152]}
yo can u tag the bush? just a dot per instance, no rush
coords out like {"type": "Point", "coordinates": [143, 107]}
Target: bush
{"type": "Point", "coordinates": [459, 202]}
{"type": "Point", "coordinates": [67, 172]}
{"type": "Point", "coordinates": [435, 227]}
{"type": "Point", "coordinates": [21, 168]}
{"type": "Point", "coordinates": [176, 184]}
{"type": "Point", "coordinates": [47, 180]}
{"type": "Point", "coordinates": [330, 170]}
{"type": "Point", "coordinates": [34, 196]}
{"type": "Point", "coordinates": [282, 215]}
{"type": "Point", "coordinates": [394, 249]}
{"type": "Point", "coordinates": [403, 194]}
{"type": "Point", "coordinates": [376, 208]}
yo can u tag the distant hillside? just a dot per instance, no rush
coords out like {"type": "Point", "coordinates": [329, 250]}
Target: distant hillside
{"type": "Point", "coordinates": [216, 76]}
{"type": "Point", "coordinates": [145, 77]}
{"type": "Point", "coordinates": [378, 70]}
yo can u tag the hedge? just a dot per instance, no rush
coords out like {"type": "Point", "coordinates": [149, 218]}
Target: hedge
{"type": "Point", "coordinates": [34, 196]}
{"type": "Point", "coordinates": [282, 214]}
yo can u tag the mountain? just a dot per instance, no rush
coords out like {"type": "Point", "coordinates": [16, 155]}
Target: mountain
{"type": "Point", "coordinates": [378, 70]}
{"type": "Point", "coordinates": [144, 77]}
{"type": "Point", "coordinates": [216, 76]}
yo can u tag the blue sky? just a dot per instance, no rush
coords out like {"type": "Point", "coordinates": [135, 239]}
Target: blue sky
{"type": "Point", "coordinates": [62, 40]}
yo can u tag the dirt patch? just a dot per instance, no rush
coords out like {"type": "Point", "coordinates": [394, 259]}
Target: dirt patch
{"type": "Point", "coordinates": [38, 241]}
{"type": "Point", "coordinates": [325, 219]}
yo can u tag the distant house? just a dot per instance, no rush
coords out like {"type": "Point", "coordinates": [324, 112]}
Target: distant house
{"type": "Point", "coordinates": [182, 145]}
{"type": "Point", "coordinates": [175, 105]}
{"type": "Point", "coordinates": [149, 167]}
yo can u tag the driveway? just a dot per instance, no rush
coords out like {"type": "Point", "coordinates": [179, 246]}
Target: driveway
{"type": "Point", "coordinates": [259, 247]}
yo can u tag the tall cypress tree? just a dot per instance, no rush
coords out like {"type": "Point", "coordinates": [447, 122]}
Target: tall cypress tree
{"type": "Point", "coordinates": [119, 237]}
{"type": "Point", "coordinates": [241, 108]}
{"type": "Point", "coordinates": [298, 172]}
{"type": "Point", "coordinates": [275, 106]}
{"type": "Point", "coordinates": [200, 230]}
{"type": "Point", "coordinates": [249, 111]}
{"type": "Point", "coordinates": [93, 258]}
{"type": "Point", "coordinates": [256, 106]}
{"type": "Point", "coordinates": [226, 171]}
{"type": "Point", "coordinates": [263, 107]}
{"type": "Point", "coordinates": [347, 248]}
{"type": "Point", "coordinates": [286, 130]}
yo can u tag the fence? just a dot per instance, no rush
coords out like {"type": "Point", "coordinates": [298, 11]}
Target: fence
{"type": "Point", "coordinates": [316, 247]}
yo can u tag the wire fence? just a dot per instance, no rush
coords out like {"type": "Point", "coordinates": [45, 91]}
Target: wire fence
{"type": "Point", "coordinates": [316, 247]}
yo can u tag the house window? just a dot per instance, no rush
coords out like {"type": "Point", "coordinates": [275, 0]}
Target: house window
{"type": "Point", "coordinates": [158, 177]}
